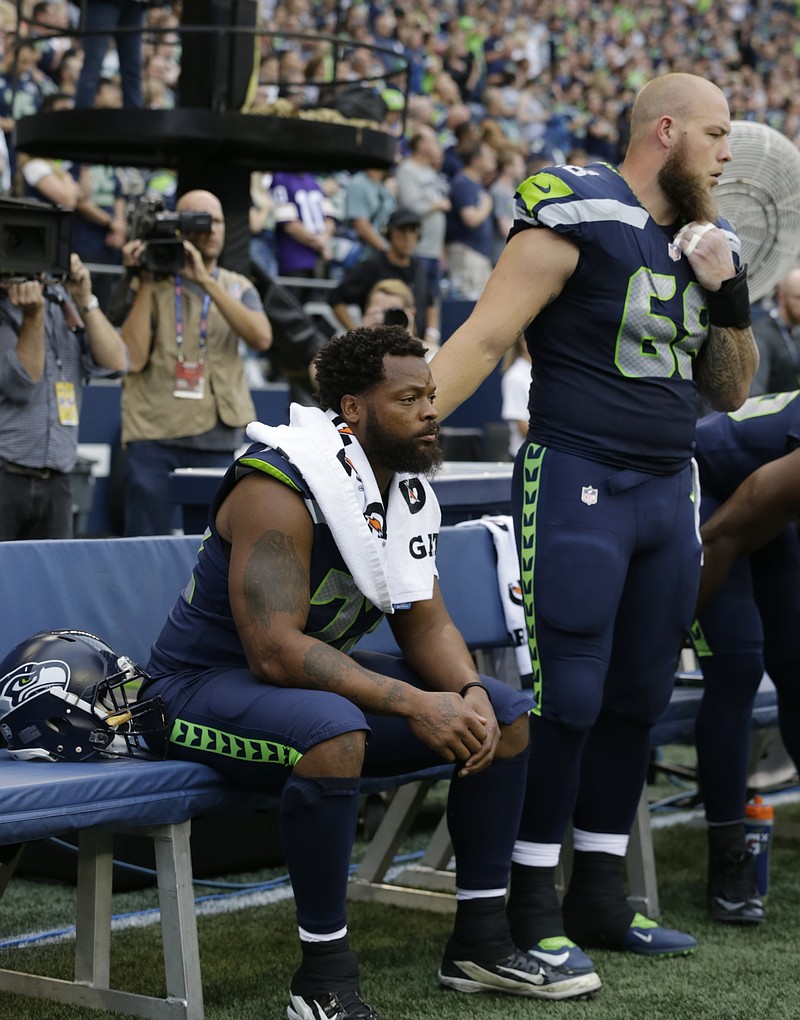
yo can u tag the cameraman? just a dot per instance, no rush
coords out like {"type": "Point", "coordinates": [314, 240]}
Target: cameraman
{"type": "Point", "coordinates": [186, 400]}
{"type": "Point", "coordinates": [53, 338]}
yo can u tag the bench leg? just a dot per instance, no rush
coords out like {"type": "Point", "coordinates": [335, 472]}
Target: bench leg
{"type": "Point", "coordinates": [368, 883]}
{"type": "Point", "coordinates": [178, 919]}
{"type": "Point", "coordinates": [641, 862]}
{"type": "Point", "coordinates": [9, 859]}
{"type": "Point", "coordinates": [93, 920]}
{"type": "Point", "coordinates": [184, 999]}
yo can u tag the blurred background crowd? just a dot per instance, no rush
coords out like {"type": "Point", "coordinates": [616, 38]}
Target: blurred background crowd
{"type": "Point", "coordinates": [478, 94]}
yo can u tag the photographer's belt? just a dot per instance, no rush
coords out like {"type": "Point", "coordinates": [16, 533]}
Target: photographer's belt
{"type": "Point", "coordinates": [190, 376]}
{"type": "Point", "coordinates": [27, 472]}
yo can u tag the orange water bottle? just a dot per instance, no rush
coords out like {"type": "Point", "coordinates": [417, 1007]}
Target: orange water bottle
{"type": "Point", "coordinates": [758, 821]}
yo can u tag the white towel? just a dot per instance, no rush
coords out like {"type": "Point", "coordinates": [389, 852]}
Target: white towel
{"type": "Point", "coordinates": [390, 551]}
{"type": "Point", "coordinates": [501, 528]}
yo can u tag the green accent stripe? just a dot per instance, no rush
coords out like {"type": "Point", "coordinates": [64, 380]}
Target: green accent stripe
{"type": "Point", "coordinates": [206, 738]}
{"type": "Point", "coordinates": [270, 469]}
{"type": "Point", "coordinates": [702, 649]}
{"type": "Point", "coordinates": [530, 499]}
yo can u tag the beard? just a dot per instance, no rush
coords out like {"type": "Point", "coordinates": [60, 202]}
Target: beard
{"type": "Point", "coordinates": [685, 187]}
{"type": "Point", "coordinates": [409, 455]}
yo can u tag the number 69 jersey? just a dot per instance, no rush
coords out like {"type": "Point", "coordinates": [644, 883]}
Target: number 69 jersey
{"type": "Point", "coordinates": [613, 354]}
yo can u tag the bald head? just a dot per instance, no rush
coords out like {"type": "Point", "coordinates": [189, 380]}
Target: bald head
{"type": "Point", "coordinates": [673, 95]}
{"type": "Point", "coordinates": [199, 201]}
{"type": "Point", "coordinates": [209, 244]}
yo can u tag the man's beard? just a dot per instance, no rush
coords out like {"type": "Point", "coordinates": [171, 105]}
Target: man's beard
{"type": "Point", "coordinates": [409, 455]}
{"type": "Point", "coordinates": [686, 188]}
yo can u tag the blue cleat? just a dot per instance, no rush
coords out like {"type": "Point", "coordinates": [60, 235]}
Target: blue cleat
{"type": "Point", "coordinates": [649, 939]}
{"type": "Point", "coordinates": [562, 953]}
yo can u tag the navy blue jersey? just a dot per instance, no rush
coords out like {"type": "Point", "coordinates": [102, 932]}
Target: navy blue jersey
{"type": "Point", "coordinates": [200, 632]}
{"type": "Point", "coordinates": [613, 354]}
{"type": "Point", "coordinates": [729, 447]}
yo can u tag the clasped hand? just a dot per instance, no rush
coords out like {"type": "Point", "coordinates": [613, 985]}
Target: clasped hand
{"type": "Point", "coordinates": [709, 253]}
{"type": "Point", "coordinates": [460, 729]}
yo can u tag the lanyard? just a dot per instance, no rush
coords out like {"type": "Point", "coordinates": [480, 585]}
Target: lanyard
{"type": "Point", "coordinates": [204, 308]}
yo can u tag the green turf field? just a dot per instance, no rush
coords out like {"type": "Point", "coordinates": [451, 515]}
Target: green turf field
{"type": "Point", "coordinates": [248, 955]}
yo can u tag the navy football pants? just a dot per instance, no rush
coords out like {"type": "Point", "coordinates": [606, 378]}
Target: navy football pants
{"type": "Point", "coordinates": [609, 570]}
{"type": "Point", "coordinates": [751, 624]}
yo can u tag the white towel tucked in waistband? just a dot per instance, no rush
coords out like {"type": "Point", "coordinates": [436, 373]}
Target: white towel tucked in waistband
{"type": "Point", "coordinates": [390, 551]}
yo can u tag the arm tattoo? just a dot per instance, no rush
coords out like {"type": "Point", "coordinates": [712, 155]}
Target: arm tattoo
{"type": "Point", "coordinates": [274, 579]}
{"type": "Point", "coordinates": [550, 299]}
{"type": "Point", "coordinates": [328, 668]}
{"type": "Point", "coordinates": [725, 360]}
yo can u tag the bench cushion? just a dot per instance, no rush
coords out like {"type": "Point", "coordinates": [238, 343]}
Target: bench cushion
{"type": "Point", "coordinates": [38, 799]}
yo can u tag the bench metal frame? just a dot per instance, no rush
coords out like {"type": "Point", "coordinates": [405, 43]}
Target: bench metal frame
{"type": "Point", "coordinates": [91, 985]}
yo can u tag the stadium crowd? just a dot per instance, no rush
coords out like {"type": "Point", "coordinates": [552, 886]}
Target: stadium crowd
{"type": "Point", "coordinates": [537, 82]}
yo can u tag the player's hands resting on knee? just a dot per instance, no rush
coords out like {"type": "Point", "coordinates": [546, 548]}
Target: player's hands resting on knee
{"type": "Point", "coordinates": [460, 729]}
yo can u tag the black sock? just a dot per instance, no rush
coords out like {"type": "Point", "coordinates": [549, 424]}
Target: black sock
{"type": "Point", "coordinates": [481, 924]}
{"type": "Point", "coordinates": [596, 908]}
{"type": "Point", "coordinates": [326, 967]}
{"type": "Point", "coordinates": [726, 841]}
{"type": "Point", "coordinates": [533, 910]}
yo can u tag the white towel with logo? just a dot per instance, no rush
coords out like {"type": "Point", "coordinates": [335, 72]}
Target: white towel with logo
{"type": "Point", "coordinates": [501, 528]}
{"type": "Point", "coordinates": [390, 551]}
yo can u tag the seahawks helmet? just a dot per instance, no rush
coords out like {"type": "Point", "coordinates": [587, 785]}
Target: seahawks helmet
{"type": "Point", "coordinates": [65, 695]}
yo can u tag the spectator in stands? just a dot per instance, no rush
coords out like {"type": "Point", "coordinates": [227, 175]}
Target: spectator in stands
{"type": "Point", "coordinates": [186, 400]}
{"type": "Point", "coordinates": [124, 20]}
{"type": "Point", "coordinates": [470, 228]}
{"type": "Point", "coordinates": [159, 81]}
{"type": "Point", "coordinates": [511, 173]}
{"type": "Point", "coordinates": [51, 16]}
{"type": "Point", "coordinates": [460, 64]}
{"type": "Point", "coordinates": [608, 450]}
{"type": "Point", "coordinates": [257, 657]}
{"type": "Point", "coordinates": [423, 189]}
{"type": "Point", "coordinates": [69, 71]}
{"type": "Point", "coordinates": [465, 134]}
{"type": "Point", "coordinates": [53, 338]}
{"type": "Point", "coordinates": [497, 47]}
{"type": "Point", "coordinates": [750, 624]}
{"type": "Point", "coordinates": [384, 29]}
{"type": "Point", "coordinates": [399, 263]}
{"type": "Point", "coordinates": [261, 220]}
{"type": "Point", "coordinates": [49, 180]}
{"type": "Point", "coordinates": [304, 226]}
{"type": "Point", "coordinates": [99, 230]}
{"type": "Point", "coordinates": [532, 114]}
{"type": "Point", "coordinates": [23, 86]}
{"type": "Point", "coordinates": [367, 205]}
{"type": "Point", "coordinates": [778, 338]}
{"type": "Point", "coordinates": [99, 227]}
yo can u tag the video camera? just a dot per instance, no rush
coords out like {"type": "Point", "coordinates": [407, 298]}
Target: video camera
{"type": "Point", "coordinates": [163, 231]}
{"type": "Point", "coordinates": [35, 240]}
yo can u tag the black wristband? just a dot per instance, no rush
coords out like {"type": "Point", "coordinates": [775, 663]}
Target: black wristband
{"type": "Point", "coordinates": [730, 305]}
{"type": "Point", "coordinates": [474, 683]}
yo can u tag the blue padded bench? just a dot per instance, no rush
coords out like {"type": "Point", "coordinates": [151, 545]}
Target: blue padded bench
{"type": "Point", "coordinates": [122, 589]}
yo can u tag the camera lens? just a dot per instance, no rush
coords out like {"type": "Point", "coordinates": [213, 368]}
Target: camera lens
{"type": "Point", "coordinates": [395, 317]}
